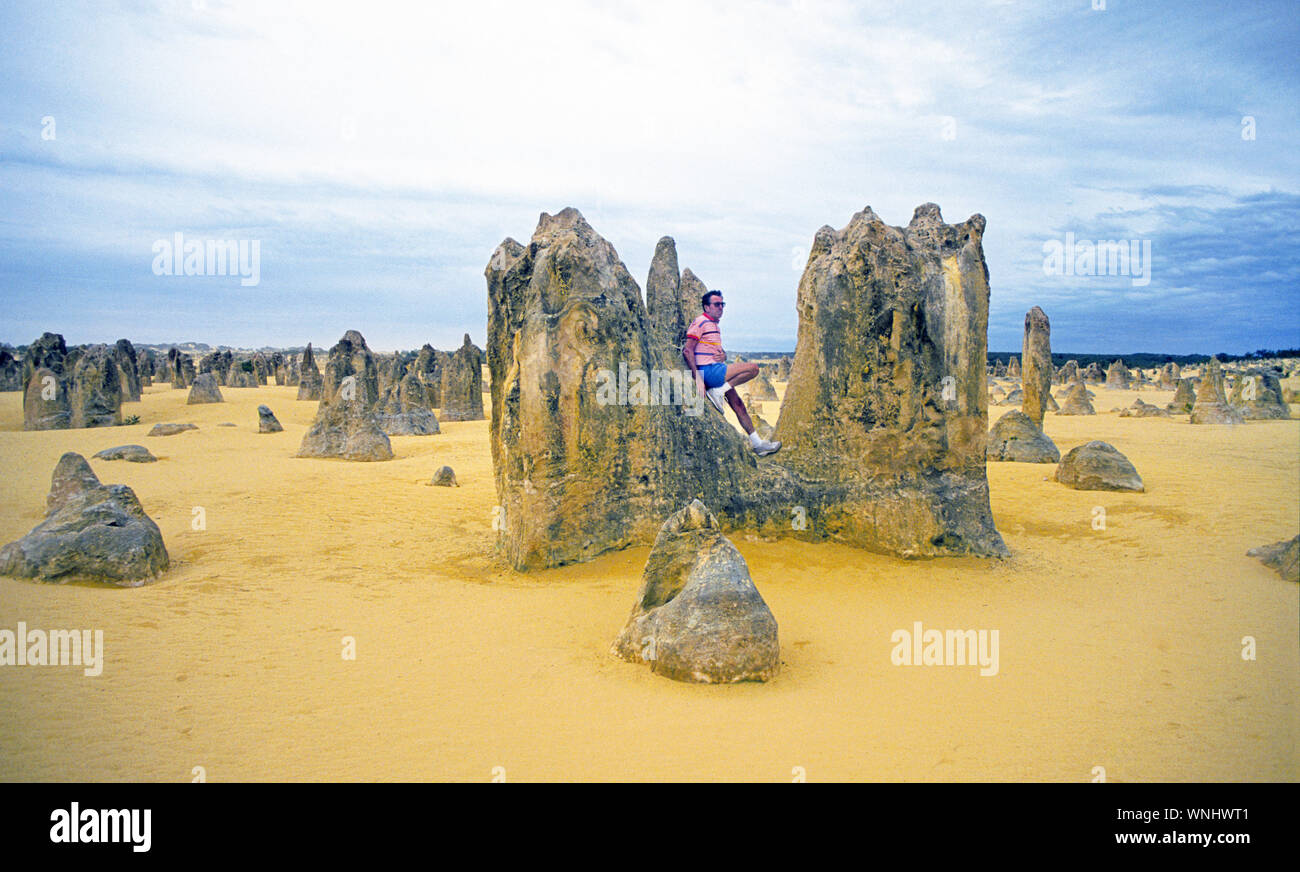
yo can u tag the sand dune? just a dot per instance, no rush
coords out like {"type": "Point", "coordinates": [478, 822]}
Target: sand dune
{"type": "Point", "coordinates": [1119, 648]}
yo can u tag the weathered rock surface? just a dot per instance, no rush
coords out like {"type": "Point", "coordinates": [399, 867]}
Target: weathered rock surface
{"type": "Point", "coordinates": [45, 403]}
{"type": "Point", "coordinates": [1014, 397]}
{"type": "Point", "coordinates": [1015, 438]}
{"type": "Point", "coordinates": [428, 367]}
{"type": "Point", "coordinates": [404, 408]}
{"type": "Point", "coordinates": [1036, 381]}
{"type": "Point", "coordinates": [1140, 409]}
{"type": "Point", "coordinates": [1076, 402]}
{"type": "Point", "coordinates": [91, 532]}
{"type": "Point", "coordinates": [266, 420]}
{"type": "Point", "coordinates": [350, 356]}
{"type": "Point", "coordinates": [129, 370]}
{"type": "Point", "coordinates": [445, 477]}
{"type": "Point", "coordinates": [1013, 367]}
{"type": "Point", "coordinates": [1283, 557]}
{"type": "Point", "coordinates": [579, 469]}
{"type": "Point", "coordinates": [1169, 376]}
{"type": "Point", "coordinates": [1098, 466]}
{"type": "Point", "coordinates": [698, 616]}
{"type": "Point", "coordinates": [238, 377]}
{"type": "Point", "coordinates": [1118, 376]}
{"type": "Point", "coordinates": [462, 384]}
{"type": "Point", "coordinates": [1184, 398]}
{"type": "Point", "coordinates": [693, 290]}
{"type": "Point", "coordinates": [48, 352]}
{"type": "Point", "coordinates": [881, 460]}
{"type": "Point", "coordinates": [169, 429]}
{"type": "Point", "coordinates": [761, 389]}
{"type": "Point", "coordinates": [95, 398]}
{"type": "Point", "coordinates": [131, 453]}
{"type": "Point", "coordinates": [886, 402]}
{"type": "Point", "coordinates": [181, 368]}
{"type": "Point", "coordinates": [346, 427]}
{"type": "Point", "coordinates": [204, 390]}
{"type": "Point", "coordinates": [310, 382]}
{"type": "Point", "coordinates": [219, 364]}
{"type": "Point", "coordinates": [663, 296]}
{"type": "Point", "coordinates": [1069, 373]}
{"type": "Point", "coordinates": [1258, 396]}
{"type": "Point", "coordinates": [11, 372]}
{"type": "Point", "coordinates": [1211, 405]}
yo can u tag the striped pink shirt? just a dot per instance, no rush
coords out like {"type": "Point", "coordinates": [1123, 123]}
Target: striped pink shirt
{"type": "Point", "coordinates": [704, 330]}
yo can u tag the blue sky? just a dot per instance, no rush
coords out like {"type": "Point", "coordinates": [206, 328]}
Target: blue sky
{"type": "Point", "coordinates": [379, 152]}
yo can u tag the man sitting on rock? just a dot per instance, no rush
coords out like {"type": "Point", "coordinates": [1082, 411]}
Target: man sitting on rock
{"type": "Point", "coordinates": [713, 378]}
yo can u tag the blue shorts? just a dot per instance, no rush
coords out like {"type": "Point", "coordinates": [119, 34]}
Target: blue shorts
{"type": "Point", "coordinates": [714, 374]}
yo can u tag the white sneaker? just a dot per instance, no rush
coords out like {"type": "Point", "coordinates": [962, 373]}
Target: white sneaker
{"type": "Point", "coordinates": [718, 396]}
{"type": "Point", "coordinates": [763, 448]}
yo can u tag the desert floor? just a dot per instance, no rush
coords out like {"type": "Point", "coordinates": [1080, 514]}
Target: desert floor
{"type": "Point", "coordinates": [1118, 648]}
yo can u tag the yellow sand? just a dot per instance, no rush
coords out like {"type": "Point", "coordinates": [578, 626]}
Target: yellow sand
{"type": "Point", "coordinates": [1119, 648]}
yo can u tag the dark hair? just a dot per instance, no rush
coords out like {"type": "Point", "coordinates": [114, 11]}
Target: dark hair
{"type": "Point", "coordinates": [704, 300]}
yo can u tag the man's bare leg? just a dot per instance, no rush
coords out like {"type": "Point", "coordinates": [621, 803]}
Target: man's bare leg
{"type": "Point", "coordinates": [739, 373]}
{"type": "Point", "coordinates": [742, 414]}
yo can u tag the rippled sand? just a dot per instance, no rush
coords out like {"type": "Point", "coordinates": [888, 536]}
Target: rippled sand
{"type": "Point", "coordinates": [1119, 648]}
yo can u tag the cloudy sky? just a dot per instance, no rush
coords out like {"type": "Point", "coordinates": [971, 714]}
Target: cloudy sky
{"type": "Point", "coordinates": [378, 152]}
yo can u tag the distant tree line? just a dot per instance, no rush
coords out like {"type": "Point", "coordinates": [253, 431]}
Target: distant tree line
{"type": "Point", "coordinates": [1149, 360]}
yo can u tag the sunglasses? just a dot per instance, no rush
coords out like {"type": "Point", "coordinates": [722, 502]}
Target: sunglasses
{"type": "Point", "coordinates": [716, 303]}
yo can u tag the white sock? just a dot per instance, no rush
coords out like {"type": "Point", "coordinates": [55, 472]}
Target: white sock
{"type": "Point", "coordinates": [724, 387]}
{"type": "Point", "coordinates": [754, 438]}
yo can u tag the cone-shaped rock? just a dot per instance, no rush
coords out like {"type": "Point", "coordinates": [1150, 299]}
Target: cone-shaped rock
{"type": "Point", "coordinates": [1098, 466]}
{"type": "Point", "coordinates": [444, 477]}
{"type": "Point", "coordinates": [1169, 375]}
{"type": "Point", "coordinates": [693, 291]}
{"type": "Point", "coordinates": [91, 532]}
{"type": "Point", "coordinates": [48, 352]}
{"type": "Point", "coordinates": [1184, 398]}
{"type": "Point", "coordinates": [1076, 401]}
{"type": "Point", "coordinates": [1013, 367]}
{"type": "Point", "coordinates": [266, 421]}
{"type": "Point", "coordinates": [462, 384]}
{"type": "Point", "coordinates": [96, 395]}
{"type": "Point", "coordinates": [1259, 397]}
{"type": "Point", "coordinates": [887, 401]}
{"type": "Point", "coordinates": [45, 403]}
{"type": "Point", "coordinates": [1015, 438]}
{"type": "Point", "coordinates": [1069, 373]}
{"type": "Point", "coordinates": [663, 296]}
{"type": "Point", "coordinates": [1211, 405]}
{"type": "Point", "coordinates": [1036, 380]}
{"type": "Point", "coordinates": [350, 356]}
{"type": "Point", "coordinates": [1118, 376]}
{"type": "Point", "coordinates": [310, 382]}
{"type": "Point", "coordinates": [591, 442]}
{"type": "Point", "coordinates": [428, 367]}
{"type": "Point", "coordinates": [204, 390]}
{"type": "Point", "coordinates": [698, 617]}
{"type": "Point", "coordinates": [761, 389]}
{"type": "Point", "coordinates": [124, 355]}
{"type": "Point", "coordinates": [1092, 374]}
{"type": "Point", "coordinates": [346, 427]}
